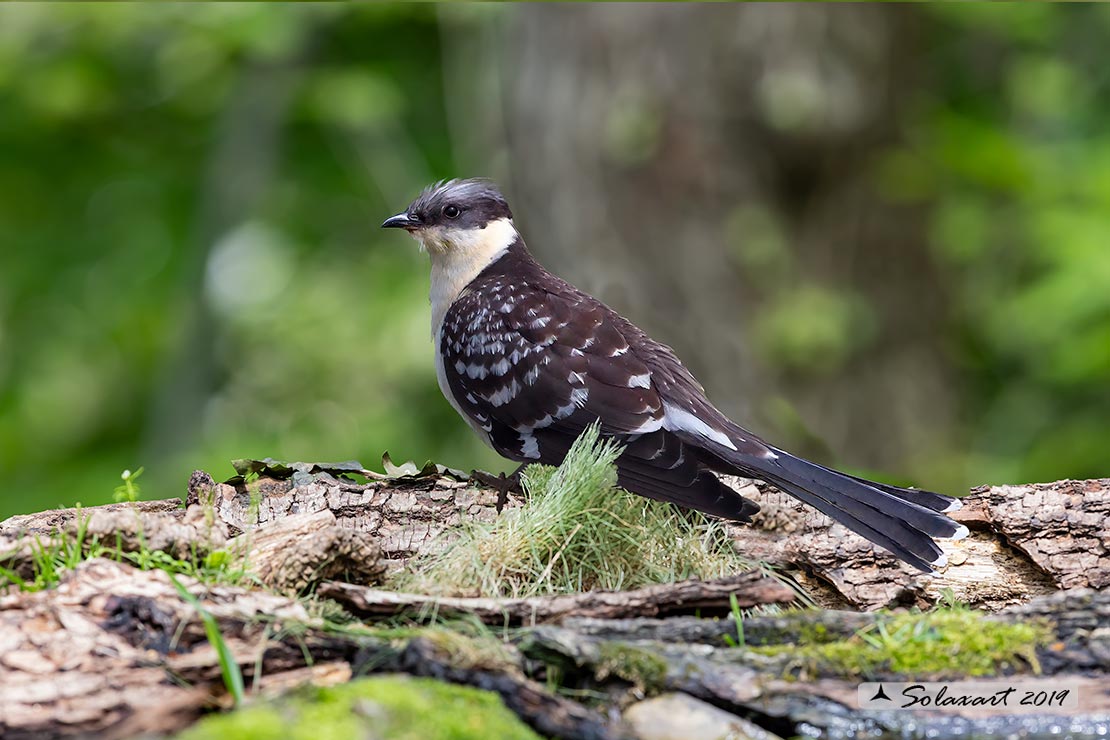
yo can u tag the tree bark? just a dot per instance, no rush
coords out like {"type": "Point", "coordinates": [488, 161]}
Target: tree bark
{"type": "Point", "coordinates": [1025, 541]}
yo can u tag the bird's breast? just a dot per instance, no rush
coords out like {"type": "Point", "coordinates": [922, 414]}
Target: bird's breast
{"type": "Point", "coordinates": [445, 388]}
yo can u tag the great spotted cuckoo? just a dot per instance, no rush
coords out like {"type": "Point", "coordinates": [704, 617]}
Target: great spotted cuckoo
{"type": "Point", "coordinates": [529, 361]}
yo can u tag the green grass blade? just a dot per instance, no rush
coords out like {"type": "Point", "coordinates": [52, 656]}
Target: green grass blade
{"type": "Point", "coordinates": [229, 668]}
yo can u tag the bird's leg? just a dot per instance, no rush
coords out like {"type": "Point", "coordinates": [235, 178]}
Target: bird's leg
{"type": "Point", "coordinates": [504, 485]}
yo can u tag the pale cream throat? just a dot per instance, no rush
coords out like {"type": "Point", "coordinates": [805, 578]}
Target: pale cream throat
{"type": "Point", "coordinates": [458, 256]}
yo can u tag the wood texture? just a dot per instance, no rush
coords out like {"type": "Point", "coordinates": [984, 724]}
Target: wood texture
{"type": "Point", "coordinates": [1017, 549]}
{"type": "Point", "coordinates": [114, 652]}
{"type": "Point", "coordinates": [302, 550]}
{"type": "Point", "coordinates": [1062, 527]}
{"type": "Point", "coordinates": [750, 589]}
{"type": "Point", "coordinates": [97, 655]}
{"type": "Point", "coordinates": [406, 516]}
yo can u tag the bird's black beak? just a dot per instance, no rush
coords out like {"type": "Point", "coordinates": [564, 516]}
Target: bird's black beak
{"type": "Point", "coordinates": [400, 221]}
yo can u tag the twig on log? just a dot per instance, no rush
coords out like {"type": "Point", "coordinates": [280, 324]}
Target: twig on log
{"type": "Point", "coordinates": [750, 589]}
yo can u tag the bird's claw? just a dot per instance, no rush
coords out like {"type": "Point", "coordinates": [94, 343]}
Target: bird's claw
{"type": "Point", "coordinates": [503, 484]}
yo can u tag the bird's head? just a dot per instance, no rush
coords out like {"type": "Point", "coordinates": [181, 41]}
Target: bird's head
{"type": "Point", "coordinates": [459, 220]}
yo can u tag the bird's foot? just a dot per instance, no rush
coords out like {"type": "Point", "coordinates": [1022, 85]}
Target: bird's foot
{"type": "Point", "coordinates": [503, 484]}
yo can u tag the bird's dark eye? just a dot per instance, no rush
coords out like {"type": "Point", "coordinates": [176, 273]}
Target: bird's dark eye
{"type": "Point", "coordinates": [451, 211]}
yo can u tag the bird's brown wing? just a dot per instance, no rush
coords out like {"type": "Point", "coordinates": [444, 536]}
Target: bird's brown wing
{"type": "Point", "coordinates": [534, 365]}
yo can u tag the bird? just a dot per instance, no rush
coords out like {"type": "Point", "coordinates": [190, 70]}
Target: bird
{"type": "Point", "coordinates": [529, 362]}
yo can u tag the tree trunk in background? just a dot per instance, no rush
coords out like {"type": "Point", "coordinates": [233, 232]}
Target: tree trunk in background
{"type": "Point", "coordinates": [697, 165]}
{"type": "Point", "coordinates": [245, 154]}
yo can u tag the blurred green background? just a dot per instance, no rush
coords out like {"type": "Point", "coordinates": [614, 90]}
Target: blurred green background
{"type": "Point", "coordinates": [880, 235]}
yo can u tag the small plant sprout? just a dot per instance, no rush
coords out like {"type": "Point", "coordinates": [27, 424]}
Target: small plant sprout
{"type": "Point", "coordinates": [738, 618]}
{"type": "Point", "coordinates": [129, 490]}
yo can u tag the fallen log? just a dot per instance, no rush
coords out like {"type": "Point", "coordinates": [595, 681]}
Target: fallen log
{"type": "Point", "coordinates": [733, 678]}
{"type": "Point", "coordinates": [292, 536]}
{"type": "Point", "coordinates": [406, 515]}
{"type": "Point", "coordinates": [46, 523]}
{"type": "Point", "coordinates": [1062, 527]}
{"type": "Point", "coordinates": [791, 626]}
{"type": "Point", "coordinates": [1024, 542]}
{"type": "Point", "coordinates": [647, 669]}
{"type": "Point", "coordinates": [1080, 620]}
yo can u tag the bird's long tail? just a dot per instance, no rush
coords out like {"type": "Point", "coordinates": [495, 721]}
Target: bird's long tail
{"type": "Point", "coordinates": [905, 521]}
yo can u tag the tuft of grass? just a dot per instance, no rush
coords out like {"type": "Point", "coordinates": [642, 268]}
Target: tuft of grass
{"type": "Point", "coordinates": [52, 556]}
{"type": "Point", "coordinates": [577, 531]}
{"type": "Point", "coordinates": [945, 642]}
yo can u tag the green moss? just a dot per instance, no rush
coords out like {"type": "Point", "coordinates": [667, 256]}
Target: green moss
{"type": "Point", "coordinates": [641, 668]}
{"type": "Point", "coordinates": [815, 633]}
{"type": "Point", "coordinates": [395, 707]}
{"type": "Point", "coordinates": [799, 625]}
{"type": "Point", "coordinates": [943, 643]}
{"type": "Point", "coordinates": [482, 651]}
{"type": "Point", "coordinates": [805, 627]}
